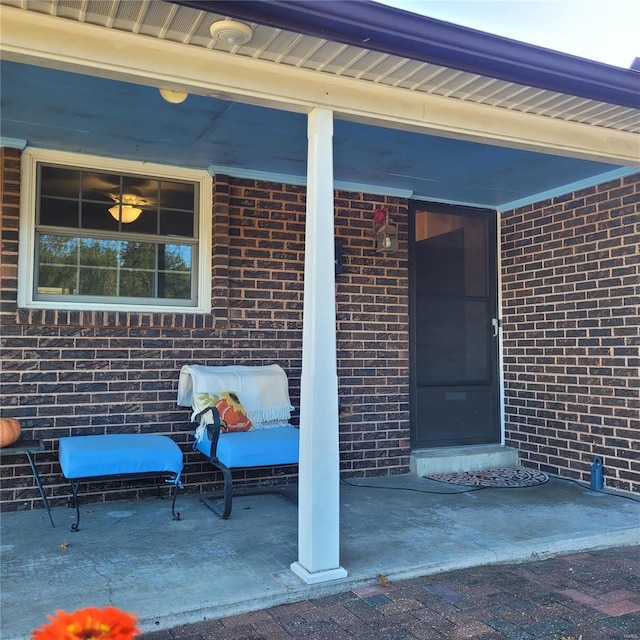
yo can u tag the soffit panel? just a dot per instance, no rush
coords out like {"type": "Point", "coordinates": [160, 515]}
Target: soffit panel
{"type": "Point", "coordinates": [272, 45]}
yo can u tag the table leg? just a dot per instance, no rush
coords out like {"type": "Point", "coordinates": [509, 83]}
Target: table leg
{"type": "Point", "coordinates": [36, 476]}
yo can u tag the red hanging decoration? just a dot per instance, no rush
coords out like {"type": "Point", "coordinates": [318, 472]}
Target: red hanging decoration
{"type": "Point", "coordinates": [380, 216]}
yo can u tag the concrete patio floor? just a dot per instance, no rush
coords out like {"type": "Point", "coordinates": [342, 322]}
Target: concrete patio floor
{"type": "Point", "coordinates": [132, 555]}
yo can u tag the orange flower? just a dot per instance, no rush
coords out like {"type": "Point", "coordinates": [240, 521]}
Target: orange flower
{"type": "Point", "coordinates": [89, 624]}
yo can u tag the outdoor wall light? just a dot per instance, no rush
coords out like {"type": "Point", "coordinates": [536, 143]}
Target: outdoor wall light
{"type": "Point", "coordinates": [385, 231]}
{"type": "Point", "coordinates": [174, 96]}
{"type": "Point", "coordinates": [231, 32]}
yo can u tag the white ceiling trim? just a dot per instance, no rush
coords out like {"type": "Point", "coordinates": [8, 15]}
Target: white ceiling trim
{"type": "Point", "coordinates": [44, 40]}
{"type": "Point", "coordinates": [285, 178]}
{"type": "Point", "coordinates": [250, 174]}
{"type": "Point", "coordinates": [13, 143]}
{"type": "Point", "coordinates": [587, 183]}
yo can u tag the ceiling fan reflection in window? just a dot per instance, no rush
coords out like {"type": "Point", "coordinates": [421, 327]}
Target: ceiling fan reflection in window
{"type": "Point", "coordinates": [124, 197]}
{"type": "Point", "coordinates": [130, 195]}
{"type": "Point", "coordinates": [128, 205]}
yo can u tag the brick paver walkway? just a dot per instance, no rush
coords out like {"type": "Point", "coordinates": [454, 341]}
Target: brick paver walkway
{"type": "Point", "coordinates": [592, 596]}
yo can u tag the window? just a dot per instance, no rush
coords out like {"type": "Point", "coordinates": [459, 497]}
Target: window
{"type": "Point", "coordinates": [102, 234]}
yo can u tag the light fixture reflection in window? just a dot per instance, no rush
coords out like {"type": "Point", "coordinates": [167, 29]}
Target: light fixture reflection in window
{"type": "Point", "coordinates": [125, 213]}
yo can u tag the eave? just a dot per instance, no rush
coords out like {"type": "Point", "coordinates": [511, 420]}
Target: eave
{"type": "Point", "coordinates": [387, 29]}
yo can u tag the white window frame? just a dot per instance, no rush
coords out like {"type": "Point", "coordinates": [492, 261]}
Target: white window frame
{"type": "Point", "coordinates": [27, 250]}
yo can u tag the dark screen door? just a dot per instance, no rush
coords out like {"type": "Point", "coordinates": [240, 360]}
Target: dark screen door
{"type": "Point", "coordinates": [453, 327]}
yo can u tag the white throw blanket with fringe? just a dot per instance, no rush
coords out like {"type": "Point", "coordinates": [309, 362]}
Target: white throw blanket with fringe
{"type": "Point", "coordinates": [262, 390]}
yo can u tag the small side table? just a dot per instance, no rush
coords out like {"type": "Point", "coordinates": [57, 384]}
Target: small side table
{"type": "Point", "coordinates": [29, 447]}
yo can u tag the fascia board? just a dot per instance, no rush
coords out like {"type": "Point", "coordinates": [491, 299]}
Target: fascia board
{"type": "Point", "coordinates": [52, 42]}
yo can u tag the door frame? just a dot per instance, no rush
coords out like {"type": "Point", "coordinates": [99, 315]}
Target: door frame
{"type": "Point", "coordinates": [493, 217]}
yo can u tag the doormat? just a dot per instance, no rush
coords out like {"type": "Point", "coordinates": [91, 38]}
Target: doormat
{"type": "Point", "coordinates": [512, 477]}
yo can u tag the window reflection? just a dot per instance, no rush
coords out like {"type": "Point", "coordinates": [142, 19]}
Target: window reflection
{"type": "Point", "coordinates": [85, 250]}
{"type": "Point", "coordinates": [94, 267]}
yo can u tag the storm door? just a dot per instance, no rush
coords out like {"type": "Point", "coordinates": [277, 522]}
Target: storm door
{"type": "Point", "coordinates": [454, 327]}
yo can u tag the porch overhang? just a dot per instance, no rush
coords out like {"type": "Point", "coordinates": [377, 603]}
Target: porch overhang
{"type": "Point", "coordinates": [539, 142]}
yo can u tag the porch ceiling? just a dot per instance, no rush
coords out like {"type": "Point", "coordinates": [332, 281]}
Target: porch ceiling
{"type": "Point", "coordinates": [48, 103]}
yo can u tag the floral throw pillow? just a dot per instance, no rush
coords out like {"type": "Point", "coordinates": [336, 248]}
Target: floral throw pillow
{"type": "Point", "coordinates": [233, 416]}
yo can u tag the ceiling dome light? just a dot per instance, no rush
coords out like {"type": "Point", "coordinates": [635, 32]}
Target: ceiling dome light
{"type": "Point", "coordinates": [174, 96]}
{"type": "Point", "coordinates": [231, 32]}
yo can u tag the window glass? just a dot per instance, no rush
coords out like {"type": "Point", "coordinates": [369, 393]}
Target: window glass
{"type": "Point", "coordinates": [100, 187]}
{"type": "Point", "coordinates": [102, 235]}
{"type": "Point", "coordinates": [137, 284]}
{"type": "Point", "coordinates": [55, 250]}
{"type": "Point", "coordinates": [138, 255]}
{"type": "Point", "coordinates": [176, 223]}
{"type": "Point", "coordinates": [59, 182]}
{"type": "Point", "coordinates": [58, 259]}
{"type": "Point", "coordinates": [93, 217]}
{"type": "Point", "coordinates": [96, 282]}
{"type": "Point", "coordinates": [90, 267]}
{"type": "Point", "coordinates": [176, 195]}
{"type": "Point", "coordinates": [176, 285]}
{"type": "Point", "coordinates": [98, 253]}
{"type": "Point", "coordinates": [59, 213]}
{"type": "Point", "coordinates": [147, 222]}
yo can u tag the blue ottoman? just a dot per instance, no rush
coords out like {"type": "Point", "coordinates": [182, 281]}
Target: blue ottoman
{"type": "Point", "coordinates": [107, 456]}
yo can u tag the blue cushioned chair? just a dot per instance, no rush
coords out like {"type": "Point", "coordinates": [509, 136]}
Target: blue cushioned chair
{"type": "Point", "coordinates": [256, 448]}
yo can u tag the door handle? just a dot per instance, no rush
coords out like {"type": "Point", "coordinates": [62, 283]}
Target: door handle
{"type": "Point", "coordinates": [496, 323]}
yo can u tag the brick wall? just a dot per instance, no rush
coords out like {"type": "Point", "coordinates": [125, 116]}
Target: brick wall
{"type": "Point", "coordinates": [571, 290]}
{"type": "Point", "coordinates": [571, 310]}
{"type": "Point", "coordinates": [72, 373]}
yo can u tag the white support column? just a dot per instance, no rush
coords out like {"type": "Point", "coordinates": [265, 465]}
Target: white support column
{"type": "Point", "coordinates": [319, 482]}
